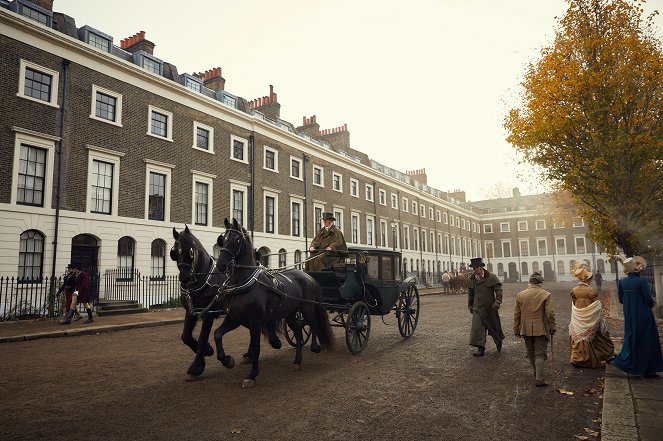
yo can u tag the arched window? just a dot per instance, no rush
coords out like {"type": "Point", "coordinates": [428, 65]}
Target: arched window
{"type": "Point", "coordinates": [216, 251]}
{"type": "Point", "coordinates": [500, 269]}
{"type": "Point", "coordinates": [572, 263]}
{"type": "Point", "coordinates": [30, 256]}
{"type": "Point", "coordinates": [560, 267]}
{"type": "Point", "coordinates": [298, 258]}
{"type": "Point", "coordinates": [282, 257]}
{"type": "Point", "coordinates": [263, 256]}
{"type": "Point", "coordinates": [158, 255]}
{"type": "Point", "coordinates": [535, 267]}
{"type": "Point", "coordinates": [125, 258]}
{"type": "Point", "coordinates": [523, 269]}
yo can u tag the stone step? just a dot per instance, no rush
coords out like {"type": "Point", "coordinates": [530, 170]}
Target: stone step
{"type": "Point", "coordinates": [102, 313]}
{"type": "Point", "coordinates": [119, 307]}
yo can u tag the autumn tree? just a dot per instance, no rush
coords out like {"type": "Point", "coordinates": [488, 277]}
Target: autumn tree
{"type": "Point", "coordinates": [591, 117]}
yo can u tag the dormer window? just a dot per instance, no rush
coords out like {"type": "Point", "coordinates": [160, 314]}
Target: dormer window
{"type": "Point", "coordinates": [192, 83]}
{"type": "Point", "coordinates": [227, 99]}
{"type": "Point", "coordinates": [93, 37]}
{"type": "Point", "coordinates": [149, 62]}
{"type": "Point", "coordinates": [33, 12]}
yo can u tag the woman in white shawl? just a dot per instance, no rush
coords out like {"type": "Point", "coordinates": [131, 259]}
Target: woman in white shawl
{"type": "Point", "coordinates": [590, 345]}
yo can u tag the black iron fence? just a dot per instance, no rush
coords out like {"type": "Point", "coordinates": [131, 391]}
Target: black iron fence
{"type": "Point", "coordinates": [151, 292]}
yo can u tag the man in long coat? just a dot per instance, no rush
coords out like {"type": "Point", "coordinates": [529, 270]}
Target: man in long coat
{"type": "Point", "coordinates": [534, 321]}
{"type": "Point", "coordinates": [328, 240]}
{"type": "Point", "coordinates": [484, 300]}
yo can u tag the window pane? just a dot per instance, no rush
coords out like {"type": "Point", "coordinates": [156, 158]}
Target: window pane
{"type": "Point", "coordinates": [157, 202]}
{"type": "Point", "coordinates": [30, 256]}
{"type": "Point", "coordinates": [202, 193]}
{"type": "Point", "coordinates": [102, 187]}
{"type": "Point", "coordinates": [37, 85]}
{"type": "Point", "coordinates": [31, 176]}
{"type": "Point", "coordinates": [105, 107]}
{"type": "Point", "coordinates": [202, 138]}
{"type": "Point", "coordinates": [238, 206]}
{"type": "Point", "coordinates": [159, 124]}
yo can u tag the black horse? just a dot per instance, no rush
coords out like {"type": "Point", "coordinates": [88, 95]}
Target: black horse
{"type": "Point", "coordinates": [256, 295]}
{"type": "Point", "coordinates": [200, 296]}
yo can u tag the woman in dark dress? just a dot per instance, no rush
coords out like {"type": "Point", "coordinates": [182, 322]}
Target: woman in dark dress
{"type": "Point", "coordinates": [641, 352]}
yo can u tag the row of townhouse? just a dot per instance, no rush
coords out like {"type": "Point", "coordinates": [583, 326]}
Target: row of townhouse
{"type": "Point", "coordinates": [109, 148]}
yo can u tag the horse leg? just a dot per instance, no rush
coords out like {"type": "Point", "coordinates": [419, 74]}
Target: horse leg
{"type": "Point", "coordinates": [227, 325]}
{"type": "Point", "coordinates": [254, 354]}
{"type": "Point", "coordinates": [274, 340]}
{"type": "Point", "coordinates": [187, 332]}
{"type": "Point", "coordinates": [296, 326]}
{"type": "Point", "coordinates": [204, 348]}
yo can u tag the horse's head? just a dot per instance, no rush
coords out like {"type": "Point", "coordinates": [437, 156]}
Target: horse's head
{"type": "Point", "coordinates": [187, 252]}
{"type": "Point", "coordinates": [233, 246]}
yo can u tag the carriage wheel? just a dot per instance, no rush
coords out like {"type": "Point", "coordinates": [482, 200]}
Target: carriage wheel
{"type": "Point", "coordinates": [290, 334]}
{"type": "Point", "coordinates": [407, 311]}
{"type": "Point", "coordinates": [357, 327]}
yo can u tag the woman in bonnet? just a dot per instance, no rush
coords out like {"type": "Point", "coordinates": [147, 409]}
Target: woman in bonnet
{"type": "Point", "coordinates": [590, 345]}
{"type": "Point", "coordinates": [641, 352]}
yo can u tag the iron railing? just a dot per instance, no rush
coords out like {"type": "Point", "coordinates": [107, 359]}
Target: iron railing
{"type": "Point", "coordinates": [151, 292]}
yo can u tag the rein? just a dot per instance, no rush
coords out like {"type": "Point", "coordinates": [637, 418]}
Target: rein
{"type": "Point", "coordinates": [187, 292]}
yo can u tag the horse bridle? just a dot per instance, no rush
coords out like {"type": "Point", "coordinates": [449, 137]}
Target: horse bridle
{"type": "Point", "coordinates": [187, 292]}
{"type": "Point", "coordinates": [234, 255]}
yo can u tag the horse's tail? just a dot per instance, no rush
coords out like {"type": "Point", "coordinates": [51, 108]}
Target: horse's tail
{"type": "Point", "coordinates": [323, 328]}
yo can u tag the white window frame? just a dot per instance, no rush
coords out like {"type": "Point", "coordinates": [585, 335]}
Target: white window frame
{"type": "Point", "coordinates": [110, 156]}
{"type": "Point", "coordinates": [579, 224]}
{"type": "Point", "coordinates": [241, 187]}
{"type": "Point", "coordinates": [340, 182]}
{"type": "Point", "coordinates": [40, 140]}
{"type": "Point", "coordinates": [384, 237]}
{"type": "Point", "coordinates": [369, 192]}
{"type": "Point", "coordinates": [520, 248]}
{"type": "Point", "coordinates": [169, 127]}
{"type": "Point", "coordinates": [474, 227]}
{"type": "Point", "coordinates": [152, 166]}
{"type": "Point", "coordinates": [462, 222]}
{"type": "Point", "coordinates": [203, 178]}
{"type": "Point", "coordinates": [300, 202]}
{"type": "Point", "coordinates": [318, 224]}
{"type": "Point", "coordinates": [438, 216]}
{"type": "Point", "coordinates": [584, 243]}
{"type": "Point", "coordinates": [558, 224]}
{"type": "Point", "coordinates": [354, 188]}
{"type": "Point", "coordinates": [272, 194]}
{"type": "Point", "coordinates": [430, 213]}
{"type": "Point", "coordinates": [339, 215]}
{"type": "Point", "coordinates": [276, 159]}
{"type": "Point", "coordinates": [415, 238]}
{"type": "Point", "coordinates": [422, 210]}
{"type": "Point", "coordinates": [406, 204]}
{"type": "Point", "coordinates": [322, 175]}
{"type": "Point", "coordinates": [489, 245]}
{"type": "Point", "coordinates": [55, 83]}
{"type": "Point", "coordinates": [118, 105]}
{"type": "Point", "coordinates": [505, 227]}
{"type": "Point", "coordinates": [415, 208]}
{"type": "Point", "coordinates": [394, 201]}
{"type": "Point", "coordinates": [406, 237]}
{"type": "Point", "coordinates": [355, 219]}
{"type": "Point", "coordinates": [196, 126]}
{"type": "Point", "coordinates": [504, 242]}
{"type": "Point", "coordinates": [522, 225]}
{"type": "Point", "coordinates": [539, 222]}
{"type": "Point", "coordinates": [566, 249]}
{"type": "Point", "coordinates": [301, 170]}
{"type": "Point", "coordinates": [445, 218]}
{"type": "Point", "coordinates": [487, 228]}
{"type": "Point", "coordinates": [382, 197]}
{"type": "Point", "coordinates": [545, 244]}
{"type": "Point", "coordinates": [452, 220]}
{"type": "Point", "coordinates": [245, 149]}
{"type": "Point", "coordinates": [370, 231]}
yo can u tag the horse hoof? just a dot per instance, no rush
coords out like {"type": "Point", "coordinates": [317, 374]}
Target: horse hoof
{"type": "Point", "coordinates": [229, 362]}
{"type": "Point", "coordinates": [248, 383]}
{"type": "Point", "coordinates": [191, 377]}
{"type": "Point", "coordinates": [315, 348]}
{"type": "Point", "coordinates": [209, 351]}
{"type": "Point", "coordinates": [275, 343]}
{"type": "Point", "coordinates": [295, 367]}
{"type": "Point", "coordinates": [246, 360]}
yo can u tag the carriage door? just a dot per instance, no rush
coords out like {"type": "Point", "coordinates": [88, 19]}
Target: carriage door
{"type": "Point", "coordinates": [85, 249]}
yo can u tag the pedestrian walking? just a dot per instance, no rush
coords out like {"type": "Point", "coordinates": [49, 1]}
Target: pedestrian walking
{"type": "Point", "coordinates": [81, 294]}
{"type": "Point", "coordinates": [68, 287]}
{"type": "Point", "coordinates": [534, 322]}
{"type": "Point", "coordinates": [446, 280]}
{"type": "Point", "coordinates": [641, 352]}
{"type": "Point", "coordinates": [484, 299]}
{"type": "Point", "coordinates": [598, 279]}
{"type": "Point", "coordinates": [590, 345]}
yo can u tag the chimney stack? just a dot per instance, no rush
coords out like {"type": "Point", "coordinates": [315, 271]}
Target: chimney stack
{"type": "Point", "coordinates": [137, 42]}
{"type": "Point", "coordinates": [212, 79]}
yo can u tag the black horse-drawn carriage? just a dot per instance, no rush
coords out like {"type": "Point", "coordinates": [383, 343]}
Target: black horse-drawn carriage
{"type": "Point", "coordinates": [367, 283]}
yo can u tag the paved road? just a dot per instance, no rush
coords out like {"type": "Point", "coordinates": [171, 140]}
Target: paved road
{"type": "Point", "coordinates": [132, 385]}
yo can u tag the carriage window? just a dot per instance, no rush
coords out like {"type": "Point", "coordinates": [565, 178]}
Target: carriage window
{"type": "Point", "coordinates": [387, 268]}
{"type": "Point", "coordinates": [373, 267]}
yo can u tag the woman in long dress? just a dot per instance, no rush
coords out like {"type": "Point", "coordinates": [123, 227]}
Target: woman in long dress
{"type": "Point", "coordinates": [590, 345]}
{"type": "Point", "coordinates": [641, 352]}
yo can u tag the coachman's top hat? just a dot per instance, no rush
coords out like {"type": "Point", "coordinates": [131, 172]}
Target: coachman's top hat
{"type": "Point", "coordinates": [476, 262]}
{"type": "Point", "coordinates": [329, 216]}
{"type": "Point", "coordinates": [72, 265]}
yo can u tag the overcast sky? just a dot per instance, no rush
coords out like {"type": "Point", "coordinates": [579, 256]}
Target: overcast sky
{"type": "Point", "coordinates": [420, 84]}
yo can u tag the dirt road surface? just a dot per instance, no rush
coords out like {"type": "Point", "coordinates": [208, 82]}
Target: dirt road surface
{"type": "Point", "coordinates": [132, 385]}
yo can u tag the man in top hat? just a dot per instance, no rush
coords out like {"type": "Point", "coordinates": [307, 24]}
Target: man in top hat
{"type": "Point", "coordinates": [484, 299]}
{"type": "Point", "coordinates": [68, 286]}
{"type": "Point", "coordinates": [328, 239]}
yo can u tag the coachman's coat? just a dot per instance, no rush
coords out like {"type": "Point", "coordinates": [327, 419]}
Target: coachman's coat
{"type": "Point", "coordinates": [332, 238]}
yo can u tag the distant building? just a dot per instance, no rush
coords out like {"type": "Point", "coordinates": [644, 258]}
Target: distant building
{"type": "Point", "coordinates": [108, 147]}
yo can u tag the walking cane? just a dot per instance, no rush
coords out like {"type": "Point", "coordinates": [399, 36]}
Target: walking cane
{"type": "Point", "coordinates": [552, 360]}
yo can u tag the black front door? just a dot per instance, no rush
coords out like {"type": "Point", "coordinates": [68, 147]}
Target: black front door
{"type": "Point", "coordinates": [84, 249]}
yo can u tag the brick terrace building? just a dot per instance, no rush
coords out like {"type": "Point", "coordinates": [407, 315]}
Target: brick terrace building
{"type": "Point", "coordinates": [109, 147]}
